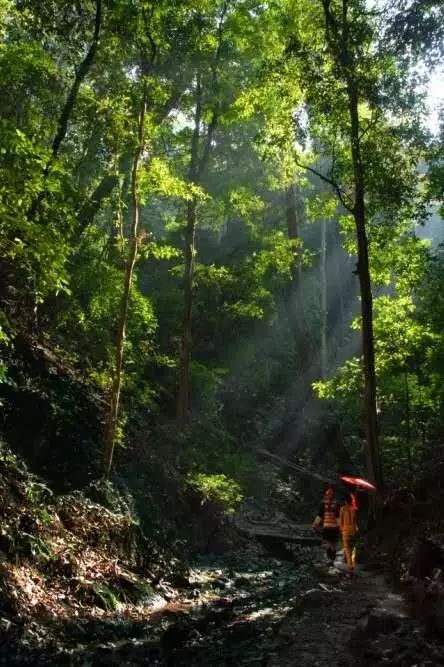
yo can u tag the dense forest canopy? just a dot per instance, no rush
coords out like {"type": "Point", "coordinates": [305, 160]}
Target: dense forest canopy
{"type": "Point", "coordinates": [209, 214]}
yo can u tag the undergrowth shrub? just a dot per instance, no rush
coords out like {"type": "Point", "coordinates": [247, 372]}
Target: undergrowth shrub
{"type": "Point", "coordinates": [219, 489]}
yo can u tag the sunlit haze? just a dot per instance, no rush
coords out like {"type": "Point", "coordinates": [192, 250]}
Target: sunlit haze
{"type": "Point", "coordinates": [435, 99]}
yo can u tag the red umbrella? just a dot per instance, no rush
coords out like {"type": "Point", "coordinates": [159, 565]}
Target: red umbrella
{"type": "Point", "coordinates": [360, 483]}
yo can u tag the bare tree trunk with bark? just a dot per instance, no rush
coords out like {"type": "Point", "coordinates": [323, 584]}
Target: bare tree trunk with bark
{"type": "Point", "coordinates": [341, 47]}
{"type": "Point", "coordinates": [113, 414]}
{"type": "Point", "coordinates": [184, 393]}
{"type": "Point", "coordinates": [324, 311]}
{"type": "Point", "coordinates": [198, 162]}
{"type": "Point", "coordinates": [294, 303]}
{"type": "Point", "coordinates": [184, 396]}
{"type": "Point", "coordinates": [293, 233]}
{"type": "Point", "coordinates": [371, 418]}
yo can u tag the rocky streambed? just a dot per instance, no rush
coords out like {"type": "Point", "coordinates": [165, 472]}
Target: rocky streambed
{"type": "Point", "coordinates": [243, 609]}
{"type": "Point", "coordinates": [228, 611]}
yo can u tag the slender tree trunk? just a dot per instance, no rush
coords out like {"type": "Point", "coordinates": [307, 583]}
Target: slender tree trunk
{"type": "Point", "coordinates": [113, 415]}
{"type": "Point", "coordinates": [324, 311]}
{"type": "Point", "coordinates": [184, 393]}
{"type": "Point", "coordinates": [408, 425]}
{"type": "Point", "coordinates": [292, 221]}
{"type": "Point", "coordinates": [198, 163]}
{"type": "Point", "coordinates": [119, 216]}
{"type": "Point", "coordinates": [184, 397]}
{"type": "Point", "coordinates": [342, 49]}
{"type": "Point", "coordinates": [371, 419]}
{"type": "Point", "coordinates": [294, 309]}
{"type": "Point", "coordinates": [339, 271]}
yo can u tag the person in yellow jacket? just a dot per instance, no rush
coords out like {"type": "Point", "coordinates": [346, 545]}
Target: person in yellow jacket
{"type": "Point", "coordinates": [327, 521]}
{"type": "Point", "coordinates": [348, 525]}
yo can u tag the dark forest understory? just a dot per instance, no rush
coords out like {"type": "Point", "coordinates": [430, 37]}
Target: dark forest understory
{"type": "Point", "coordinates": [81, 584]}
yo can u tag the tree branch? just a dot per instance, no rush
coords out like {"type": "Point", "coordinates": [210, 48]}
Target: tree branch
{"type": "Point", "coordinates": [195, 165]}
{"type": "Point", "coordinates": [94, 201]}
{"type": "Point", "coordinates": [210, 132]}
{"type": "Point", "coordinates": [147, 22]}
{"type": "Point", "coordinates": [65, 116]}
{"type": "Point", "coordinates": [340, 194]}
{"type": "Point", "coordinates": [80, 76]}
{"type": "Point", "coordinates": [214, 77]}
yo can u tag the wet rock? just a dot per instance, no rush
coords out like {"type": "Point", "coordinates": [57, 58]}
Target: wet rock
{"type": "Point", "coordinates": [240, 582]}
{"type": "Point", "coordinates": [180, 580]}
{"type": "Point", "coordinates": [5, 624]}
{"type": "Point", "coordinates": [129, 653]}
{"type": "Point", "coordinates": [224, 602]}
{"type": "Point", "coordinates": [286, 633]}
{"type": "Point", "coordinates": [6, 544]}
{"type": "Point", "coordinates": [434, 615]}
{"type": "Point", "coordinates": [381, 622]}
{"type": "Point", "coordinates": [220, 582]}
{"type": "Point", "coordinates": [388, 653]}
{"type": "Point", "coordinates": [175, 635]}
{"type": "Point", "coordinates": [426, 557]}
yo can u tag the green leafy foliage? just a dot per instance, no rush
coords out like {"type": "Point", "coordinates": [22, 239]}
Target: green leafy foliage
{"type": "Point", "coordinates": [219, 489]}
{"type": "Point", "coordinates": [274, 295]}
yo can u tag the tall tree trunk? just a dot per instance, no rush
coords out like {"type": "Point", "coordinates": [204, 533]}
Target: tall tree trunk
{"type": "Point", "coordinates": [184, 396]}
{"type": "Point", "coordinates": [296, 312]}
{"type": "Point", "coordinates": [184, 393]}
{"type": "Point", "coordinates": [341, 45]}
{"type": "Point", "coordinates": [335, 243]}
{"type": "Point", "coordinates": [371, 418]}
{"type": "Point", "coordinates": [324, 311]}
{"type": "Point", "coordinates": [294, 305]}
{"type": "Point", "coordinates": [408, 417]}
{"type": "Point", "coordinates": [292, 221]}
{"type": "Point", "coordinates": [113, 415]}
{"type": "Point", "coordinates": [198, 163]}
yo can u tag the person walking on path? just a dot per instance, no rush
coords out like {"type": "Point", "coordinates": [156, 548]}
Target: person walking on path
{"type": "Point", "coordinates": [348, 525]}
{"type": "Point", "coordinates": [327, 520]}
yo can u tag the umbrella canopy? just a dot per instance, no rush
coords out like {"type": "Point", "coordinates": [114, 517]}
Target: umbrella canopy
{"type": "Point", "coordinates": [360, 483]}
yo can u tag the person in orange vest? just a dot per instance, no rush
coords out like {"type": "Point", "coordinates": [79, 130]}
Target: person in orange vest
{"type": "Point", "coordinates": [327, 521]}
{"type": "Point", "coordinates": [348, 525]}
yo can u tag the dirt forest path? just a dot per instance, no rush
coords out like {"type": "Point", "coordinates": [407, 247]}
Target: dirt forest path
{"type": "Point", "coordinates": [333, 623]}
{"type": "Point", "coordinates": [341, 623]}
{"type": "Point", "coordinates": [321, 619]}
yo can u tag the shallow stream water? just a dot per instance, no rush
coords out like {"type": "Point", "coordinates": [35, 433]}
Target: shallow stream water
{"type": "Point", "coordinates": [243, 603]}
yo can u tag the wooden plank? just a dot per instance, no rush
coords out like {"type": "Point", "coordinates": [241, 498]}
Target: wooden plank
{"type": "Point", "coordinates": [282, 537]}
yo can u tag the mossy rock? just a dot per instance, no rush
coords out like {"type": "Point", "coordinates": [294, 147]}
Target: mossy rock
{"type": "Point", "coordinates": [105, 596]}
{"type": "Point", "coordinates": [130, 588]}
